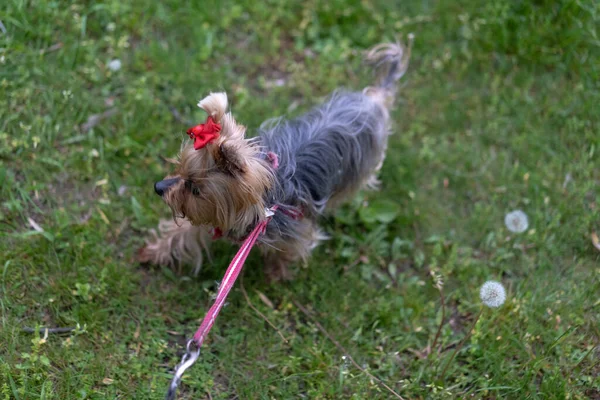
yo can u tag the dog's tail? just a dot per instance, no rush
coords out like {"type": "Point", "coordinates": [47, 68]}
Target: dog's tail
{"type": "Point", "coordinates": [391, 62]}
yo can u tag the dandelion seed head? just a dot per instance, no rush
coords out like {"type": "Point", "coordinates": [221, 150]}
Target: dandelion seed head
{"type": "Point", "coordinates": [492, 294]}
{"type": "Point", "coordinates": [114, 65]}
{"type": "Point", "coordinates": [516, 221]}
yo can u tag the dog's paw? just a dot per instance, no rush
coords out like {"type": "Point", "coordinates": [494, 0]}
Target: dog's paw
{"type": "Point", "coordinates": [145, 255]}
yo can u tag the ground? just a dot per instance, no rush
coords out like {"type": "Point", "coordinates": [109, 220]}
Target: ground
{"type": "Point", "coordinates": [498, 112]}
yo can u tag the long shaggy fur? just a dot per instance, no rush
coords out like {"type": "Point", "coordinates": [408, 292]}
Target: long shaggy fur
{"type": "Point", "coordinates": [324, 157]}
{"type": "Point", "coordinates": [177, 243]}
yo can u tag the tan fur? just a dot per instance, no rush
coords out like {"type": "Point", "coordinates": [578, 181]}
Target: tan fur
{"type": "Point", "coordinates": [222, 184]}
{"type": "Point", "coordinates": [177, 243]}
{"type": "Point", "coordinates": [215, 105]}
{"type": "Point", "coordinates": [376, 56]}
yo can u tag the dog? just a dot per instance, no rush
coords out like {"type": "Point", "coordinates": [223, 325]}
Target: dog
{"type": "Point", "coordinates": [226, 183]}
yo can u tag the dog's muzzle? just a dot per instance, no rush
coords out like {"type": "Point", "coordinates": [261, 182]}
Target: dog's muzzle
{"type": "Point", "coordinates": [162, 187]}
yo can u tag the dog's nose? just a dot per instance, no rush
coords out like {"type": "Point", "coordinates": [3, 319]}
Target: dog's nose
{"type": "Point", "coordinates": [158, 188]}
{"type": "Point", "coordinates": [161, 187]}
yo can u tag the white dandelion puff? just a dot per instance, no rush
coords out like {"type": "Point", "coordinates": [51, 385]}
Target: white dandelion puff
{"type": "Point", "coordinates": [492, 294]}
{"type": "Point", "coordinates": [114, 65]}
{"type": "Point", "coordinates": [516, 221]}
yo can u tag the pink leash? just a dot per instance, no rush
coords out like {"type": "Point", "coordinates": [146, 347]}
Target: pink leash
{"type": "Point", "coordinates": [229, 279]}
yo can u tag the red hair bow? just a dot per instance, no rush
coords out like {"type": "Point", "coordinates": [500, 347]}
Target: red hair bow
{"type": "Point", "coordinates": [204, 133]}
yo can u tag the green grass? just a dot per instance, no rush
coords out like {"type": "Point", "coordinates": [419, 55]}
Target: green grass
{"type": "Point", "coordinates": [499, 106]}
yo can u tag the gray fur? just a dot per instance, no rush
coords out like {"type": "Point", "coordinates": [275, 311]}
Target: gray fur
{"type": "Point", "coordinates": [325, 152]}
{"type": "Point", "coordinates": [334, 149]}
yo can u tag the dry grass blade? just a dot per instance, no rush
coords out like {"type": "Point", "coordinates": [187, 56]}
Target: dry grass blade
{"type": "Point", "coordinates": [595, 240]}
{"type": "Point", "coordinates": [54, 47]}
{"type": "Point", "coordinates": [265, 299]}
{"type": "Point", "coordinates": [437, 334]}
{"type": "Point", "coordinates": [95, 119]}
{"type": "Point", "coordinates": [263, 316]}
{"type": "Point", "coordinates": [343, 350]}
{"type": "Point", "coordinates": [35, 225]}
{"type": "Point", "coordinates": [48, 330]}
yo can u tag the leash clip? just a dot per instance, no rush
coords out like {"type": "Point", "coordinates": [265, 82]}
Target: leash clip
{"type": "Point", "coordinates": [188, 359]}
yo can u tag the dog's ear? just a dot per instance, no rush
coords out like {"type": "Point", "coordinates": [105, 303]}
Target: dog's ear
{"type": "Point", "coordinates": [229, 159]}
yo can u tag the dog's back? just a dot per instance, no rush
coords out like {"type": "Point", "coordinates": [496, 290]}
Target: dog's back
{"type": "Point", "coordinates": [330, 152]}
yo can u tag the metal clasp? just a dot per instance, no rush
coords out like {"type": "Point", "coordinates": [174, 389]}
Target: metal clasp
{"type": "Point", "coordinates": [188, 359]}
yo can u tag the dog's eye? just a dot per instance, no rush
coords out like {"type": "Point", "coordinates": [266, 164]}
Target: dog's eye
{"type": "Point", "coordinates": [194, 189]}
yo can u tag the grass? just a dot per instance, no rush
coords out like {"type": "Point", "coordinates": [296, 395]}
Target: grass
{"type": "Point", "coordinates": [498, 112]}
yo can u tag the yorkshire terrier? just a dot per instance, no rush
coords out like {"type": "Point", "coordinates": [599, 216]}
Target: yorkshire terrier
{"type": "Point", "coordinates": [304, 167]}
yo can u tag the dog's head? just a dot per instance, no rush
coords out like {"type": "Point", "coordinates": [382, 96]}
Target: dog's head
{"type": "Point", "coordinates": [221, 177]}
